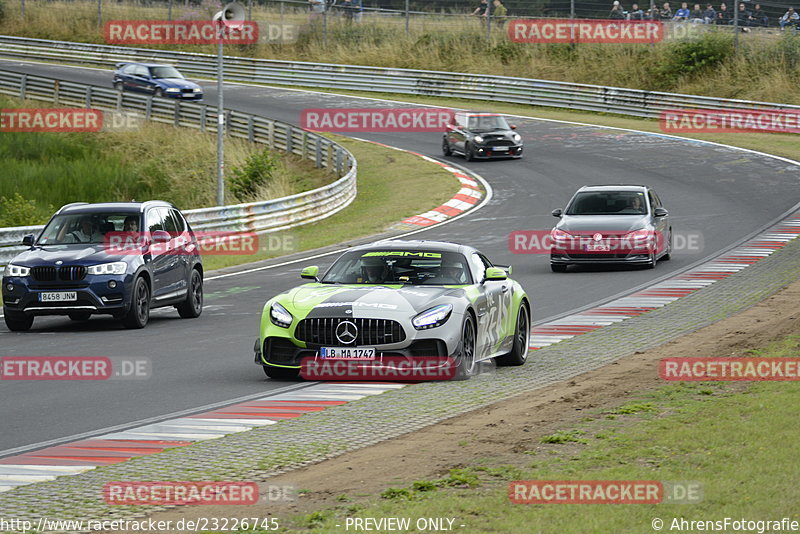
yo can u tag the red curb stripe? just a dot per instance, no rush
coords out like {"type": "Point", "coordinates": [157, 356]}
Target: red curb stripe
{"type": "Point", "coordinates": [466, 198]}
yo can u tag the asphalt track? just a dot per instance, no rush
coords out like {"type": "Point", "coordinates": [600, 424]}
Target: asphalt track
{"type": "Point", "coordinates": [716, 192]}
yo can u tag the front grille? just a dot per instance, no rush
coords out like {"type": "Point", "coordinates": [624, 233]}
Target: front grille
{"type": "Point", "coordinates": [370, 331]}
{"type": "Point", "coordinates": [67, 273]}
{"type": "Point", "coordinates": [500, 143]}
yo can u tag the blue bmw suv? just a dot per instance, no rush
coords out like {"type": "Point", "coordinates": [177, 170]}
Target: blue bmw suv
{"type": "Point", "coordinates": [120, 259]}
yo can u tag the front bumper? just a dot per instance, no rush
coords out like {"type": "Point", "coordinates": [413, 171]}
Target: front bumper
{"type": "Point", "coordinates": [94, 295]}
{"type": "Point", "coordinates": [490, 152]}
{"type": "Point", "coordinates": [578, 258]}
{"type": "Point", "coordinates": [185, 96]}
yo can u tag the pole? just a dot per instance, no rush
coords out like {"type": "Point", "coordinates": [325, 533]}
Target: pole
{"type": "Point", "coordinates": [406, 18]}
{"type": "Point", "coordinates": [23, 8]}
{"type": "Point", "coordinates": [99, 13]}
{"type": "Point", "coordinates": [735, 28]}
{"type": "Point", "coordinates": [572, 9]}
{"type": "Point", "coordinates": [249, 9]}
{"type": "Point", "coordinates": [325, 25]}
{"type": "Point", "coordinates": [489, 22]}
{"type": "Point", "coordinates": [220, 124]}
{"type": "Point", "coordinates": [169, 10]}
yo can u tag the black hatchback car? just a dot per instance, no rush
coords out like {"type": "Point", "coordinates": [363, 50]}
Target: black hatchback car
{"type": "Point", "coordinates": [481, 136]}
{"type": "Point", "coordinates": [120, 259]}
{"type": "Point", "coordinates": [155, 79]}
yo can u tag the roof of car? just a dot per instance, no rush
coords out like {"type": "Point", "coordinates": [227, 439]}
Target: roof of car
{"type": "Point", "coordinates": [481, 114]}
{"type": "Point", "coordinates": [146, 64]}
{"type": "Point", "coordinates": [84, 207]}
{"type": "Point", "coordinates": [614, 187]}
{"type": "Point", "coordinates": [399, 244]}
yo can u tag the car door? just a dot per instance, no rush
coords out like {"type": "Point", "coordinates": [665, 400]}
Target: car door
{"type": "Point", "coordinates": [457, 134]}
{"type": "Point", "coordinates": [143, 81]}
{"type": "Point", "coordinates": [161, 261]}
{"type": "Point", "coordinates": [183, 247]}
{"type": "Point", "coordinates": [661, 224]}
{"type": "Point", "coordinates": [490, 307]}
{"type": "Point", "coordinates": [128, 75]}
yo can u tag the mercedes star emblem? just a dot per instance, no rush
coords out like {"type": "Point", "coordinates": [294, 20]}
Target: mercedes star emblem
{"type": "Point", "coordinates": [346, 332]}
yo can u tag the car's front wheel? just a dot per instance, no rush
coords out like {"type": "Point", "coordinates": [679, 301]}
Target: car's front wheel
{"type": "Point", "coordinates": [139, 312]}
{"type": "Point", "coordinates": [281, 373]}
{"type": "Point", "coordinates": [519, 351]}
{"type": "Point", "coordinates": [469, 152]}
{"type": "Point", "coordinates": [465, 362]}
{"type": "Point", "coordinates": [18, 322]}
{"type": "Point", "coordinates": [192, 307]}
{"type": "Point", "coordinates": [668, 254]}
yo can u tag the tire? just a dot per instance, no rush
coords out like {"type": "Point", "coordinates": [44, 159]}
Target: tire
{"type": "Point", "coordinates": [668, 254]}
{"type": "Point", "coordinates": [139, 312]}
{"type": "Point", "coordinates": [118, 86]}
{"type": "Point", "coordinates": [192, 307]}
{"type": "Point", "coordinates": [446, 148]}
{"type": "Point", "coordinates": [558, 267]}
{"type": "Point", "coordinates": [469, 155]}
{"type": "Point", "coordinates": [465, 362]}
{"type": "Point", "coordinates": [522, 334]}
{"type": "Point", "coordinates": [18, 322]}
{"type": "Point", "coordinates": [80, 316]}
{"type": "Point", "coordinates": [281, 373]}
{"type": "Point", "coordinates": [651, 264]}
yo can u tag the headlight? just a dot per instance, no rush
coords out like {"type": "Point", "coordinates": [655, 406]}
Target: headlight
{"type": "Point", "coordinates": [279, 316]}
{"type": "Point", "coordinates": [17, 270]}
{"type": "Point", "coordinates": [478, 139]}
{"type": "Point", "coordinates": [560, 235]}
{"type": "Point", "coordinates": [198, 90]}
{"type": "Point", "coordinates": [436, 316]}
{"type": "Point", "coordinates": [173, 90]}
{"type": "Point", "coordinates": [118, 267]}
{"type": "Point", "coordinates": [639, 235]}
{"type": "Point", "coordinates": [516, 137]}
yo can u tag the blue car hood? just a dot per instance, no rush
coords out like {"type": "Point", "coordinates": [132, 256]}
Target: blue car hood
{"type": "Point", "coordinates": [77, 254]}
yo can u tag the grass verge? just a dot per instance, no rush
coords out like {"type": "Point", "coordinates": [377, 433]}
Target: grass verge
{"type": "Point", "coordinates": [736, 439]}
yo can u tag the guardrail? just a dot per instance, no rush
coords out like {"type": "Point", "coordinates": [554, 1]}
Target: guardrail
{"type": "Point", "coordinates": [634, 102]}
{"type": "Point", "coordinates": [260, 217]}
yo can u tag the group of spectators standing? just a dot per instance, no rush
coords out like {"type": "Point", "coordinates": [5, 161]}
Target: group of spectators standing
{"type": "Point", "coordinates": [496, 10]}
{"type": "Point", "coordinates": [351, 10]}
{"type": "Point", "coordinates": [754, 17]}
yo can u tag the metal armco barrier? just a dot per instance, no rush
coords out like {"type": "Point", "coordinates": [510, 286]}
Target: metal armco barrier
{"type": "Point", "coordinates": [530, 91]}
{"type": "Point", "coordinates": [261, 217]}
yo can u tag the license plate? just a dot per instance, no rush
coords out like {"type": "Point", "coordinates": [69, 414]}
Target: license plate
{"type": "Point", "coordinates": [64, 296]}
{"type": "Point", "coordinates": [500, 148]}
{"type": "Point", "coordinates": [596, 247]}
{"type": "Point", "coordinates": [347, 353]}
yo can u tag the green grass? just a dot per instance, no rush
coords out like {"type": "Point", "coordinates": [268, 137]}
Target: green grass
{"type": "Point", "coordinates": [739, 442]}
{"type": "Point", "coordinates": [44, 171]}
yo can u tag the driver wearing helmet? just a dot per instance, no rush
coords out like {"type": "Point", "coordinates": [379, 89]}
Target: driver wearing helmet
{"type": "Point", "coordinates": [373, 271]}
{"type": "Point", "coordinates": [452, 272]}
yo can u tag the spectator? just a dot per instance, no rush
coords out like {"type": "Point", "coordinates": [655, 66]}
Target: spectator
{"type": "Point", "coordinates": [317, 10]}
{"type": "Point", "coordinates": [652, 14]}
{"type": "Point", "coordinates": [790, 18]}
{"type": "Point", "coordinates": [744, 17]}
{"type": "Point", "coordinates": [480, 11]}
{"type": "Point", "coordinates": [635, 13]}
{"type": "Point", "coordinates": [709, 15]}
{"type": "Point", "coordinates": [758, 17]}
{"type": "Point", "coordinates": [499, 12]}
{"type": "Point", "coordinates": [617, 13]}
{"type": "Point", "coordinates": [723, 17]}
{"type": "Point", "coordinates": [666, 11]}
{"type": "Point", "coordinates": [682, 15]}
{"type": "Point", "coordinates": [696, 15]}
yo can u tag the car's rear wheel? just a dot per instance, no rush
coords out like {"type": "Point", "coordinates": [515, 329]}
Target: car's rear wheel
{"type": "Point", "coordinates": [446, 148]}
{"type": "Point", "coordinates": [465, 362]}
{"type": "Point", "coordinates": [558, 267]}
{"type": "Point", "coordinates": [281, 373]}
{"type": "Point", "coordinates": [18, 322]}
{"type": "Point", "coordinates": [192, 307]}
{"type": "Point", "coordinates": [80, 316]}
{"type": "Point", "coordinates": [519, 352]}
{"type": "Point", "coordinates": [118, 86]}
{"type": "Point", "coordinates": [139, 312]}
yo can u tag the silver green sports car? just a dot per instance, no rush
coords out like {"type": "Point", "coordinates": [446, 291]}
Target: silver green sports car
{"type": "Point", "coordinates": [398, 299]}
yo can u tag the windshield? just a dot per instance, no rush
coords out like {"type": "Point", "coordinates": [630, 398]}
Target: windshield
{"type": "Point", "coordinates": [165, 72]}
{"type": "Point", "coordinates": [608, 203]}
{"type": "Point", "coordinates": [87, 227]}
{"type": "Point", "coordinates": [399, 267]}
{"type": "Point", "coordinates": [485, 123]}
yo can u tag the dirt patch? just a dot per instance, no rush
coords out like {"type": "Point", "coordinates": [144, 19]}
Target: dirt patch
{"type": "Point", "coordinates": [513, 426]}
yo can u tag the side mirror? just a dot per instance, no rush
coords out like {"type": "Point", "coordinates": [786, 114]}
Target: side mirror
{"type": "Point", "coordinates": [160, 236]}
{"type": "Point", "coordinates": [660, 212]}
{"type": "Point", "coordinates": [310, 273]}
{"type": "Point", "coordinates": [495, 273]}
{"type": "Point", "coordinates": [513, 126]}
{"type": "Point", "coordinates": [28, 240]}
{"type": "Point", "coordinates": [556, 212]}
